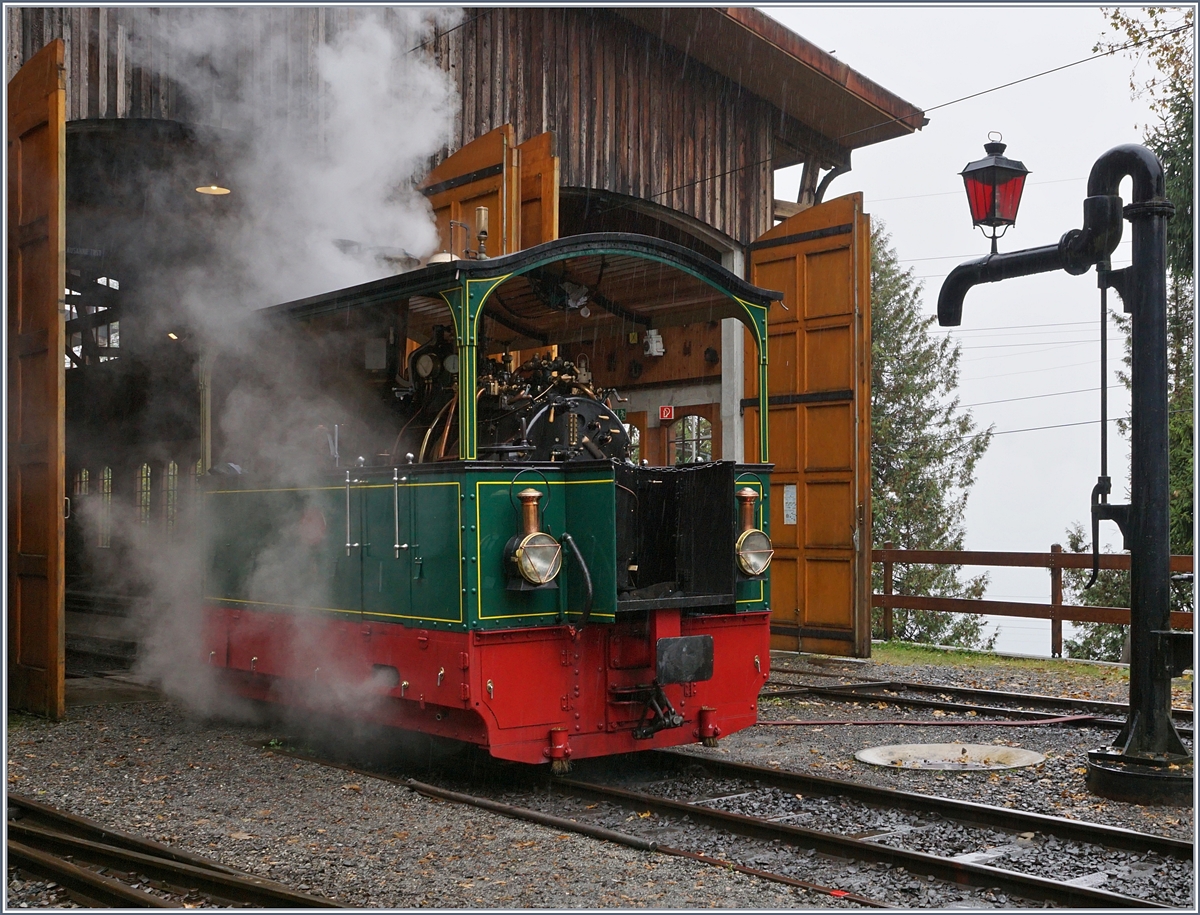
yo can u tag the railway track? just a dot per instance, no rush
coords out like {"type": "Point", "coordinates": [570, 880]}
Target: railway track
{"type": "Point", "coordinates": [568, 824]}
{"type": "Point", "coordinates": [1022, 706]}
{"type": "Point", "coordinates": [102, 867]}
{"type": "Point", "coordinates": [813, 832]}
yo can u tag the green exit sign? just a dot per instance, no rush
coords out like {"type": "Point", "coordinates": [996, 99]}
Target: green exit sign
{"type": "Point", "coordinates": [621, 414]}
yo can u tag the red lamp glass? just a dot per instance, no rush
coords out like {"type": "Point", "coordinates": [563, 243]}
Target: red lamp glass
{"type": "Point", "coordinates": [994, 185]}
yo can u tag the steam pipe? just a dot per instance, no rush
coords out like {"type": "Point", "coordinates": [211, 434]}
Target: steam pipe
{"type": "Point", "coordinates": [991, 269]}
{"type": "Point", "coordinates": [588, 593]}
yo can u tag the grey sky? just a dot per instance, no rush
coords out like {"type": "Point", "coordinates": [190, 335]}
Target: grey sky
{"type": "Point", "coordinates": [1031, 485]}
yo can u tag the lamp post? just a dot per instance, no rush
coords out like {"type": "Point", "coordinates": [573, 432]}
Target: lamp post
{"type": "Point", "coordinates": [1147, 763]}
{"type": "Point", "coordinates": [994, 185]}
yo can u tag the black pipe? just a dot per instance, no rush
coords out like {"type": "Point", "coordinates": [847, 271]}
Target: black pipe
{"type": "Point", "coordinates": [992, 269]}
{"type": "Point", "coordinates": [1127, 161]}
{"type": "Point", "coordinates": [1075, 253]}
{"type": "Point", "coordinates": [1143, 289]}
{"type": "Point", "coordinates": [587, 579]}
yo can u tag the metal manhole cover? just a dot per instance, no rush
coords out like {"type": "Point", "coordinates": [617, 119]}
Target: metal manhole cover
{"type": "Point", "coordinates": [948, 756]}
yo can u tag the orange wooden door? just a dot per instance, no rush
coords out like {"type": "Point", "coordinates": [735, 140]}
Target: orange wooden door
{"type": "Point", "coordinates": [482, 173]}
{"type": "Point", "coordinates": [818, 368]}
{"type": "Point", "coordinates": [517, 184]}
{"type": "Point", "coordinates": [36, 382]}
{"type": "Point", "coordinates": [538, 169]}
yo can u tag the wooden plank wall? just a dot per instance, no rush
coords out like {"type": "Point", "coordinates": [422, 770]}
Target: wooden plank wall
{"type": "Point", "coordinates": [107, 77]}
{"type": "Point", "coordinates": [632, 115]}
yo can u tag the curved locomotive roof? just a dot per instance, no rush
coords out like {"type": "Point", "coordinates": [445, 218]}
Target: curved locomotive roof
{"type": "Point", "coordinates": [628, 281]}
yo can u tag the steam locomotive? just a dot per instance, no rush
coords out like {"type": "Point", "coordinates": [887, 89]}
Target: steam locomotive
{"type": "Point", "coordinates": [432, 515]}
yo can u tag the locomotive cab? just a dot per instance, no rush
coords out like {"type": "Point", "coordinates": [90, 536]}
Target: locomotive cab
{"type": "Point", "coordinates": [433, 505]}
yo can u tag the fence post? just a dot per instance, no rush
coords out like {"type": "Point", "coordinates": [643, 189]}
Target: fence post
{"type": "Point", "coordinates": [1055, 601]}
{"type": "Point", "coordinates": [888, 630]}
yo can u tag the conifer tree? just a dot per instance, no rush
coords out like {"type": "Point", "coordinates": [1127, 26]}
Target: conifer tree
{"type": "Point", "coordinates": [924, 449]}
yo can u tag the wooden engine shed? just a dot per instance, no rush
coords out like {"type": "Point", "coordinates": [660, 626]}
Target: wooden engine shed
{"type": "Point", "coordinates": [664, 122]}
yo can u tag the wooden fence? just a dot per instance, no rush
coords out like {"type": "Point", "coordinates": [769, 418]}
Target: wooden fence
{"type": "Point", "coordinates": [1056, 611]}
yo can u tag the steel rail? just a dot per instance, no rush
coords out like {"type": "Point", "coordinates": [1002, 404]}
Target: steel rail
{"type": "Point", "coordinates": [245, 888]}
{"type": "Point", "coordinates": [846, 695]}
{"type": "Point", "coordinates": [95, 888]}
{"type": "Point", "coordinates": [81, 827]}
{"type": "Point", "coordinates": [832, 692]}
{"type": "Point", "coordinates": [50, 830]}
{"type": "Point", "coordinates": [609, 835]}
{"type": "Point", "coordinates": [524, 813]}
{"type": "Point", "coordinates": [1029, 699]}
{"type": "Point", "coordinates": [777, 878]}
{"type": "Point", "coordinates": [970, 812]}
{"type": "Point", "coordinates": [586, 829]}
{"type": "Point", "coordinates": [960, 872]}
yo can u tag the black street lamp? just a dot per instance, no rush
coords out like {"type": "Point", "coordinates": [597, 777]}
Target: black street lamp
{"type": "Point", "coordinates": [994, 185]}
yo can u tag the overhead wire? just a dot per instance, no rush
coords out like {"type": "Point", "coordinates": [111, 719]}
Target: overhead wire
{"type": "Point", "coordinates": [1009, 327]}
{"type": "Point", "coordinates": [958, 193]}
{"type": "Point", "coordinates": [984, 403]}
{"type": "Point", "coordinates": [1028, 343]}
{"type": "Point", "coordinates": [1049, 368]}
{"type": "Point", "coordinates": [436, 36]}
{"type": "Point", "coordinates": [990, 432]}
{"type": "Point", "coordinates": [1025, 79]}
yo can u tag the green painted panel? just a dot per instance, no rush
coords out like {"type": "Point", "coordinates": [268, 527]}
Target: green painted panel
{"type": "Point", "coordinates": [498, 518]}
{"type": "Point", "coordinates": [438, 552]}
{"type": "Point", "coordinates": [580, 502]}
{"type": "Point", "coordinates": [591, 514]}
{"type": "Point", "coordinates": [283, 548]}
{"type": "Point", "coordinates": [388, 512]}
{"type": "Point", "coordinates": [756, 595]}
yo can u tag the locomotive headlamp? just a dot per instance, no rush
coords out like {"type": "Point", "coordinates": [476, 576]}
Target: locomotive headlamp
{"type": "Point", "coordinates": [994, 185]}
{"type": "Point", "coordinates": [753, 548]}
{"type": "Point", "coordinates": [535, 556]}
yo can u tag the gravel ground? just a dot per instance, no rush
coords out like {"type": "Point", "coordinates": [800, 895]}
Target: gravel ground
{"type": "Point", "coordinates": [149, 768]}
{"type": "Point", "coordinates": [1055, 787]}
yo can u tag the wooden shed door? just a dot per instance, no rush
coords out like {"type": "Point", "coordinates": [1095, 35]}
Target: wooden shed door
{"type": "Point", "coordinates": [36, 382]}
{"type": "Point", "coordinates": [482, 173]}
{"type": "Point", "coordinates": [819, 425]}
{"type": "Point", "coordinates": [538, 169]}
{"type": "Point", "coordinates": [518, 185]}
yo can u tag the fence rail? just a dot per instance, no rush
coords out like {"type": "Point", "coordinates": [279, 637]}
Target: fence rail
{"type": "Point", "coordinates": [1056, 611]}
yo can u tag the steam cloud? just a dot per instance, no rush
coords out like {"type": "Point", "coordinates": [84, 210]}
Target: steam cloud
{"type": "Point", "coordinates": [328, 154]}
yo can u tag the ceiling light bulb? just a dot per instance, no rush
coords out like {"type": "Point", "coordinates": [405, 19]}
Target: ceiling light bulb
{"type": "Point", "coordinates": [172, 335]}
{"type": "Point", "coordinates": [213, 190]}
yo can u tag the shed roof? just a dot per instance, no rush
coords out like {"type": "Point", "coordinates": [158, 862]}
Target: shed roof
{"type": "Point", "coordinates": [630, 281]}
{"type": "Point", "coordinates": [793, 74]}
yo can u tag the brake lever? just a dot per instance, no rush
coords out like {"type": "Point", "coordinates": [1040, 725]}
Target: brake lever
{"type": "Point", "coordinates": [1101, 490]}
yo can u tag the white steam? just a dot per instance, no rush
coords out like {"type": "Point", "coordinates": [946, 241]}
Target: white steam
{"type": "Point", "coordinates": [332, 117]}
{"type": "Point", "coordinates": [327, 139]}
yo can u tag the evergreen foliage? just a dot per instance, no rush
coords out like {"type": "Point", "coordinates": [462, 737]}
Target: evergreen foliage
{"type": "Point", "coordinates": [924, 449]}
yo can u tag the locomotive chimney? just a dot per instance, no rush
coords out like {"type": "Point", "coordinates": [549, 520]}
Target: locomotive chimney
{"type": "Point", "coordinates": [529, 510]}
{"type": "Point", "coordinates": [747, 497]}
